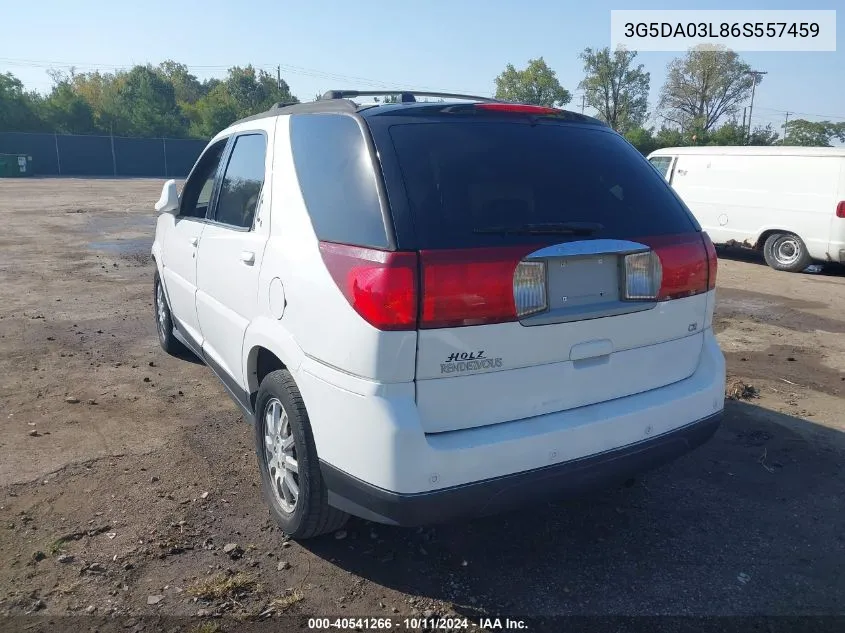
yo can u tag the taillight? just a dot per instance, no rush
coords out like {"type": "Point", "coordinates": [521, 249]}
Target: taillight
{"type": "Point", "coordinates": [687, 267]}
{"type": "Point", "coordinates": [529, 288]}
{"type": "Point", "coordinates": [477, 286]}
{"type": "Point", "coordinates": [712, 261]}
{"type": "Point", "coordinates": [381, 286]}
{"type": "Point", "coordinates": [840, 210]}
{"type": "Point", "coordinates": [643, 274]}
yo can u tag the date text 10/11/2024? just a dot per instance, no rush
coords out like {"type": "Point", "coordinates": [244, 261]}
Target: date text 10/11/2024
{"type": "Point", "coordinates": [417, 624]}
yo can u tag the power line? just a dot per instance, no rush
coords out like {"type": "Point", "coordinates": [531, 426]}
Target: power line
{"type": "Point", "coordinates": [821, 116]}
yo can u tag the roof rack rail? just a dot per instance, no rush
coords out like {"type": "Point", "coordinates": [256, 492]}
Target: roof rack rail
{"type": "Point", "coordinates": [406, 96]}
{"type": "Point", "coordinates": [283, 104]}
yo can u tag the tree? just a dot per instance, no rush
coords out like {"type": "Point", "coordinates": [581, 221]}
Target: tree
{"type": "Point", "coordinates": [145, 101]}
{"type": "Point", "coordinates": [764, 135]}
{"type": "Point", "coordinates": [253, 91]}
{"type": "Point", "coordinates": [145, 105]}
{"type": "Point", "coordinates": [242, 93]}
{"type": "Point", "coordinates": [733, 133]}
{"type": "Point", "coordinates": [186, 87]}
{"type": "Point", "coordinates": [537, 84]}
{"type": "Point", "coordinates": [615, 87]}
{"type": "Point", "coordinates": [212, 113]}
{"type": "Point", "coordinates": [67, 112]}
{"type": "Point", "coordinates": [19, 110]}
{"type": "Point", "coordinates": [643, 139]}
{"type": "Point", "coordinates": [813, 133]}
{"type": "Point", "coordinates": [703, 87]}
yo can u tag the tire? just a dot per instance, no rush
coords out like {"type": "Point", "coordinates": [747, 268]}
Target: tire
{"type": "Point", "coordinates": [164, 321]}
{"type": "Point", "coordinates": [310, 514]}
{"type": "Point", "coordinates": [786, 251]}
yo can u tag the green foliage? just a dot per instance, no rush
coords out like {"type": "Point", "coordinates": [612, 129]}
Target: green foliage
{"type": "Point", "coordinates": [703, 87]}
{"type": "Point", "coordinates": [245, 91]}
{"type": "Point", "coordinates": [186, 87]}
{"type": "Point", "coordinates": [537, 84]}
{"type": "Point", "coordinates": [145, 105]}
{"type": "Point", "coordinates": [670, 137]}
{"type": "Point", "coordinates": [642, 139]}
{"type": "Point", "coordinates": [731, 133]}
{"type": "Point", "coordinates": [615, 87]}
{"type": "Point", "coordinates": [145, 101]}
{"type": "Point", "coordinates": [67, 112]}
{"type": "Point", "coordinates": [18, 108]}
{"type": "Point", "coordinates": [813, 133]}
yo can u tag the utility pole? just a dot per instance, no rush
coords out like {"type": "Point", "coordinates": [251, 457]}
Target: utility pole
{"type": "Point", "coordinates": [279, 77]}
{"type": "Point", "coordinates": [754, 75]}
{"type": "Point", "coordinates": [583, 101]}
{"type": "Point", "coordinates": [785, 122]}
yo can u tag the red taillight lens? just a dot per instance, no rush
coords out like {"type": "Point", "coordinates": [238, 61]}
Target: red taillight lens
{"type": "Point", "coordinates": [840, 210]}
{"type": "Point", "coordinates": [712, 261]}
{"type": "Point", "coordinates": [468, 287]}
{"type": "Point", "coordinates": [381, 286]}
{"type": "Point", "coordinates": [517, 108]}
{"type": "Point", "coordinates": [685, 263]}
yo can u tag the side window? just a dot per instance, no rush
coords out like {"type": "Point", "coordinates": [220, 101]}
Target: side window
{"type": "Point", "coordinates": [242, 181]}
{"type": "Point", "coordinates": [196, 194]}
{"type": "Point", "coordinates": [661, 164]}
{"type": "Point", "coordinates": [335, 172]}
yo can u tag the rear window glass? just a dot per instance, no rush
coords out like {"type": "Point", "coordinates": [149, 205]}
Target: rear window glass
{"type": "Point", "coordinates": [462, 177]}
{"type": "Point", "coordinates": [336, 177]}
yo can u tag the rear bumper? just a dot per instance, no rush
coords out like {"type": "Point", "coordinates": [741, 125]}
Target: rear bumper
{"type": "Point", "coordinates": [497, 495]}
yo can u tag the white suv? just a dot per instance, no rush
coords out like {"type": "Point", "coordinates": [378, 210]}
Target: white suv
{"type": "Point", "coordinates": [439, 309]}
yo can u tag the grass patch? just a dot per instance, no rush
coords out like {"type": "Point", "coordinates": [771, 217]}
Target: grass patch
{"type": "Point", "coordinates": [221, 587]}
{"type": "Point", "coordinates": [285, 602]}
{"type": "Point", "coordinates": [57, 547]}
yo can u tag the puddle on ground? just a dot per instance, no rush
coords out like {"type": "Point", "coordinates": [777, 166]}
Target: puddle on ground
{"type": "Point", "coordinates": [131, 246]}
{"type": "Point", "coordinates": [106, 229]}
{"type": "Point", "coordinates": [115, 223]}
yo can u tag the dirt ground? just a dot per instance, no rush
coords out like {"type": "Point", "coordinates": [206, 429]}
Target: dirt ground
{"type": "Point", "coordinates": [125, 473]}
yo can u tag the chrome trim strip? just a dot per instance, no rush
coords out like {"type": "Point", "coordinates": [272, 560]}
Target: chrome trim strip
{"type": "Point", "coordinates": [583, 248]}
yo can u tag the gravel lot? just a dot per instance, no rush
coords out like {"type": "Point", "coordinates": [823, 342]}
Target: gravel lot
{"type": "Point", "coordinates": [125, 473]}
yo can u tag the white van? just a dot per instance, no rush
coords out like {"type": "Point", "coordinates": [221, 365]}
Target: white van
{"type": "Point", "coordinates": [788, 202]}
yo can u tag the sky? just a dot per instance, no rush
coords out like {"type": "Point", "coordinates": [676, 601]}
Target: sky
{"type": "Point", "coordinates": [448, 45]}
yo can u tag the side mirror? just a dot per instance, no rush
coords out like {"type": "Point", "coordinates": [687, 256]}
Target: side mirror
{"type": "Point", "coordinates": [169, 201]}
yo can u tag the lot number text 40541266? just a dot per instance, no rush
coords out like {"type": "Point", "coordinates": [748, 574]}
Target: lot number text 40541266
{"type": "Point", "coordinates": [417, 624]}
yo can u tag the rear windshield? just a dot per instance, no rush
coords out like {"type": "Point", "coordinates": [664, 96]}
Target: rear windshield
{"type": "Point", "coordinates": [462, 177]}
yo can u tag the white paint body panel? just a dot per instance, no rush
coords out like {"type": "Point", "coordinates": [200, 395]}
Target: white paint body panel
{"type": "Point", "coordinates": [649, 349]}
{"type": "Point", "coordinates": [375, 398]}
{"type": "Point", "coordinates": [357, 420]}
{"type": "Point", "coordinates": [180, 241]}
{"type": "Point", "coordinates": [227, 286]}
{"type": "Point", "coordinates": [741, 193]}
{"type": "Point", "coordinates": [320, 318]}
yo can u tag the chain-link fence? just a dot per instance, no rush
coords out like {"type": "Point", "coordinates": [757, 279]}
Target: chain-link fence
{"type": "Point", "coordinates": [78, 155]}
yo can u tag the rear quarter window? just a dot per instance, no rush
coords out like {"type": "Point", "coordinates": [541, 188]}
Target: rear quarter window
{"type": "Point", "coordinates": [336, 176]}
{"type": "Point", "coordinates": [463, 176]}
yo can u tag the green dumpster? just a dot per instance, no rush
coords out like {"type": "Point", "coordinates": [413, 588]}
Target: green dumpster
{"type": "Point", "coordinates": [15, 165]}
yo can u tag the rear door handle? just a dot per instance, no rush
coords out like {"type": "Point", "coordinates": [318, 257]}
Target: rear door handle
{"type": "Point", "coordinates": [248, 257]}
{"type": "Point", "coordinates": [591, 349]}
{"type": "Point", "coordinates": [194, 241]}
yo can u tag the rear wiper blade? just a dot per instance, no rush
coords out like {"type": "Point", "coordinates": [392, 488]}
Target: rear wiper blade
{"type": "Point", "coordinates": [548, 228]}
